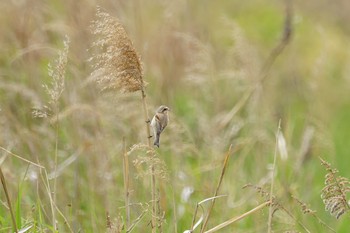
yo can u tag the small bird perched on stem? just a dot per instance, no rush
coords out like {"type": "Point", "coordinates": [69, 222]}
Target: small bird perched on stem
{"type": "Point", "coordinates": [159, 122]}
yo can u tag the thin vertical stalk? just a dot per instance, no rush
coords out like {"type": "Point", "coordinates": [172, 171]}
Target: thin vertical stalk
{"type": "Point", "coordinates": [160, 215]}
{"type": "Point", "coordinates": [174, 210]}
{"type": "Point", "coordinates": [269, 223]}
{"type": "Point", "coordinates": [48, 189]}
{"type": "Point", "coordinates": [2, 177]}
{"type": "Point", "coordinates": [153, 177]}
{"type": "Point", "coordinates": [146, 116]}
{"type": "Point", "coordinates": [56, 161]}
{"type": "Point", "coordinates": [126, 184]}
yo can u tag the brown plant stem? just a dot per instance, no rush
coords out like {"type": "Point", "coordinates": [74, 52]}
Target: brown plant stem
{"type": "Point", "coordinates": [153, 177]}
{"type": "Point", "coordinates": [2, 177]}
{"type": "Point", "coordinates": [146, 116]}
{"type": "Point", "coordinates": [228, 153]}
{"type": "Point", "coordinates": [126, 184]}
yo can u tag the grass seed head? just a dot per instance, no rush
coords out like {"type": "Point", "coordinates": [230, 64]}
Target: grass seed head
{"type": "Point", "coordinates": [334, 192]}
{"type": "Point", "coordinates": [116, 63]}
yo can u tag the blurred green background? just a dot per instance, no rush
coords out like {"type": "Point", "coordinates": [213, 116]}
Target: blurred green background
{"type": "Point", "coordinates": [199, 57]}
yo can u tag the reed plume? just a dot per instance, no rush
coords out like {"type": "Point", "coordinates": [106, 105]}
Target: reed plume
{"type": "Point", "coordinates": [117, 66]}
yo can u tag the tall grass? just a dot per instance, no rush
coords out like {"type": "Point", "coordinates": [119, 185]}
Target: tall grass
{"type": "Point", "coordinates": [205, 60]}
{"type": "Point", "coordinates": [118, 66]}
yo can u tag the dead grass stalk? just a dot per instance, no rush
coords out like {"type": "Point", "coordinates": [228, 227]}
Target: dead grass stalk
{"type": "Point", "coordinates": [3, 182]}
{"type": "Point", "coordinates": [227, 156]}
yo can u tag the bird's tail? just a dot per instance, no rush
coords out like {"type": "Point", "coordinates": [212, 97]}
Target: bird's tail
{"type": "Point", "coordinates": [156, 140]}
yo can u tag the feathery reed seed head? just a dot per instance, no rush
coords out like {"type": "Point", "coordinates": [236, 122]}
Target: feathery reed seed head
{"type": "Point", "coordinates": [116, 63]}
{"type": "Point", "coordinates": [334, 192]}
{"type": "Point", "coordinates": [57, 72]}
{"type": "Point", "coordinates": [146, 159]}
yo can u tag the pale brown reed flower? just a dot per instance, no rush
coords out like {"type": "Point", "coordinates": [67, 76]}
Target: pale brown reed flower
{"type": "Point", "coordinates": [334, 192]}
{"type": "Point", "coordinates": [116, 64]}
{"type": "Point", "coordinates": [55, 88]}
{"type": "Point", "coordinates": [148, 163]}
{"type": "Point", "coordinates": [148, 157]}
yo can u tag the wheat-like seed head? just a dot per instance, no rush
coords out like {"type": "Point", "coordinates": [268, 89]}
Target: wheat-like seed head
{"type": "Point", "coordinates": [334, 192]}
{"type": "Point", "coordinates": [57, 72]}
{"type": "Point", "coordinates": [116, 64]}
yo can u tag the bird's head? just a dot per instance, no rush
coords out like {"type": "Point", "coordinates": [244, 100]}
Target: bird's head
{"type": "Point", "coordinates": [163, 109]}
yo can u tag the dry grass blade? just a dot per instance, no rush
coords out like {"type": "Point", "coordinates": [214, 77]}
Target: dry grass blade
{"type": "Point", "coordinates": [3, 182]}
{"type": "Point", "coordinates": [334, 192]}
{"type": "Point", "coordinates": [21, 158]}
{"type": "Point", "coordinates": [53, 205]}
{"type": "Point", "coordinates": [200, 220]}
{"type": "Point", "coordinates": [235, 219]}
{"type": "Point", "coordinates": [136, 221]}
{"type": "Point", "coordinates": [227, 156]}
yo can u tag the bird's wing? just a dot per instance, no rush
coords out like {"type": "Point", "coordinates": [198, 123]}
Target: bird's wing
{"type": "Point", "coordinates": [159, 126]}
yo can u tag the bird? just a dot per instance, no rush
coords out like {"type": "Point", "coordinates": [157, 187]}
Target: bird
{"type": "Point", "coordinates": [159, 122]}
